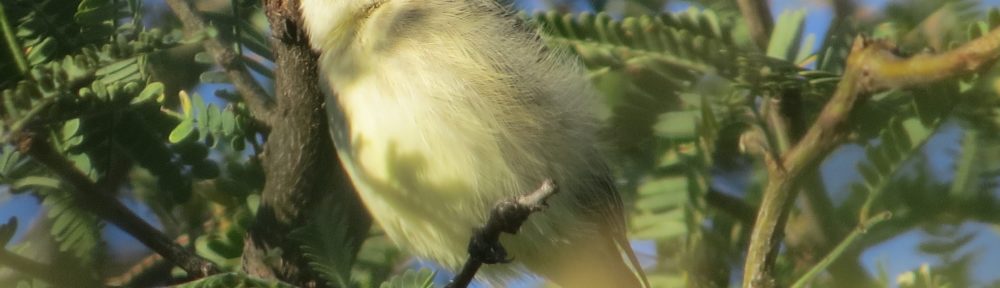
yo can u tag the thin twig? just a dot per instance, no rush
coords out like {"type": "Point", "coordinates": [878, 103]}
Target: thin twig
{"type": "Point", "coordinates": [104, 205]}
{"type": "Point", "coordinates": [871, 67]}
{"type": "Point", "coordinates": [777, 124]}
{"type": "Point", "coordinates": [758, 17]}
{"type": "Point", "coordinates": [252, 93]}
{"type": "Point", "coordinates": [13, 45]}
{"type": "Point", "coordinates": [506, 216]}
{"type": "Point", "coordinates": [778, 112]}
{"type": "Point", "coordinates": [839, 250]}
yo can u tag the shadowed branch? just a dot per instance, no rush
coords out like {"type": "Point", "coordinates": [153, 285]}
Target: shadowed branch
{"type": "Point", "coordinates": [506, 216]}
{"type": "Point", "coordinates": [105, 206]}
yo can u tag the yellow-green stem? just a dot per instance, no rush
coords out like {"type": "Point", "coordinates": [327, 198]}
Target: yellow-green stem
{"type": "Point", "coordinates": [13, 45]}
{"type": "Point", "coordinates": [839, 250]}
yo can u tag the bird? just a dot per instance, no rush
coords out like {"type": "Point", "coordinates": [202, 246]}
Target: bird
{"type": "Point", "coordinates": [441, 108]}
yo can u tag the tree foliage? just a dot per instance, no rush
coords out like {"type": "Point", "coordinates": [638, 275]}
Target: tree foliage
{"type": "Point", "coordinates": [700, 115]}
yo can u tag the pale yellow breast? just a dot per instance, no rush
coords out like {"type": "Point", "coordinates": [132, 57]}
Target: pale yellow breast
{"type": "Point", "coordinates": [439, 124]}
{"type": "Point", "coordinates": [427, 167]}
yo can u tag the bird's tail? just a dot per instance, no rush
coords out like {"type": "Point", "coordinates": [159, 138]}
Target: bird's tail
{"type": "Point", "coordinates": [636, 268]}
{"type": "Point", "coordinates": [596, 265]}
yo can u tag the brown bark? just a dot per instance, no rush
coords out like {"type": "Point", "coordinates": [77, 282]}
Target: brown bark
{"type": "Point", "coordinates": [299, 162]}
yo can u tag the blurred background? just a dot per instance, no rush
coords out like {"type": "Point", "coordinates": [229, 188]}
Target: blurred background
{"type": "Point", "coordinates": [941, 189]}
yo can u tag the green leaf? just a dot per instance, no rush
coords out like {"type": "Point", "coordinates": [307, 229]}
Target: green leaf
{"type": "Point", "coordinates": [977, 29]}
{"type": "Point", "coordinates": [76, 231]}
{"type": "Point", "coordinates": [662, 201]}
{"type": "Point", "coordinates": [787, 35]}
{"type": "Point", "coordinates": [36, 182]}
{"type": "Point", "coordinates": [666, 185]}
{"type": "Point", "coordinates": [186, 108]}
{"type": "Point", "coordinates": [70, 128]}
{"type": "Point", "coordinates": [663, 225]}
{"type": "Point", "coordinates": [214, 118]}
{"type": "Point", "coordinates": [677, 125]}
{"type": "Point", "coordinates": [917, 132]}
{"type": "Point", "coordinates": [9, 159]}
{"type": "Point", "coordinates": [967, 165]}
{"type": "Point", "coordinates": [185, 130]}
{"type": "Point", "coordinates": [123, 70]}
{"type": "Point", "coordinates": [329, 248]}
{"type": "Point", "coordinates": [131, 88]}
{"type": "Point", "coordinates": [91, 12]}
{"type": "Point", "coordinates": [806, 50]}
{"type": "Point", "coordinates": [82, 162]}
{"type": "Point", "coordinates": [253, 201]}
{"type": "Point", "coordinates": [897, 144]}
{"type": "Point", "coordinates": [152, 91]}
{"type": "Point", "coordinates": [709, 123]}
{"type": "Point", "coordinates": [42, 52]}
{"type": "Point", "coordinates": [210, 247]}
{"type": "Point", "coordinates": [213, 77]}
{"type": "Point", "coordinates": [228, 122]}
{"type": "Point", "coordinates": [202, 117]}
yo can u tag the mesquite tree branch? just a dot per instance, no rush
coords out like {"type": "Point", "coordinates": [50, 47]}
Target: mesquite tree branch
{"type": "Point", "coordinates": [871, 66]}
{"type": "Point", "coordinates": [105, 206]}
{"type": "Point", "coordinates": [840, 249]}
